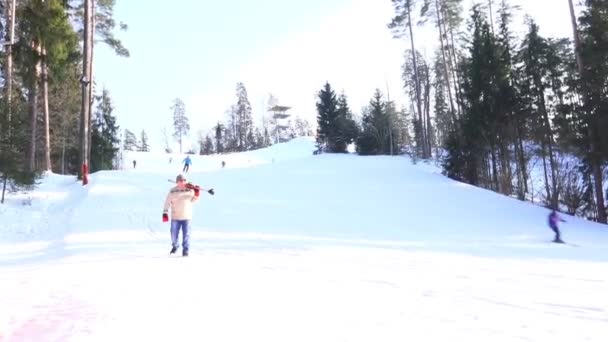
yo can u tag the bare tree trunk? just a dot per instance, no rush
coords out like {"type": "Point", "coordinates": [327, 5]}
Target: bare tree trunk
{"type": "Point", "coordinates": [45, 110]}
{"type": "Point", "coordinates": [416, 76]}
{"type": "Point", "coordinates": [427, 112]}
{"type": "Point", "coordinates": [4, 180]}
{"type": "Point", "coordinates": [506, 174]}
{"type": "Point", "coordinates": [453, 66]}
{"type": "Point", "coordinates": [33, 101]}
{"type": "Point", "coordinates": [10, 15]}
{"type": "Point", "coordinates": [92, 78]}
{"type": "Point", "coordinates": [496, 184]}
{"type": "Point", "coordinates": [547, 188]}
{"type": "Point", "coordinates": [63, 156]}
{"type": "Point", "coordinates": [520, 167]}
{"type": "Point", "coordinates": [86, 84]}
{"type": "Point", "coordinates": [443, 55]}
{"type": "Point", "coordinates": [491, 15]}
{"type": "Point", "coordinates": [549, 143]}
{"type": "Point", "coordinates": [577, 39]}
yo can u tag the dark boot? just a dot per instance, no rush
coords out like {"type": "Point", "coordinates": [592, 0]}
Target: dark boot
{"type": "Point", "coordinates": [185, 252]}
{"type": "Point", "coordinates": [173, 250]}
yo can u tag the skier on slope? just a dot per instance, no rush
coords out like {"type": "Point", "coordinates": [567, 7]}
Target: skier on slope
{"type": "Point", "coordinates": [553, 220]}
{"type": "Point", "coordinates": [180, 199]}
{"type": "Point", "coordinates": [187, 162]}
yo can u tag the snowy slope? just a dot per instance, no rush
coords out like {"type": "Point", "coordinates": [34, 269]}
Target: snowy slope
{"type": "Point", "coordinates": [294, 247]}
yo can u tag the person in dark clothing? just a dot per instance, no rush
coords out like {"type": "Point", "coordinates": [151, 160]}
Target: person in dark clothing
{"type": "Point", "coordinates": [553, 220]}
{"type": "Point", "coordinates": [134, 163]}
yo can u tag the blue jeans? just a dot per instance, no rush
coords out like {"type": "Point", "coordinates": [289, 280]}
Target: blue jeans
{"type": "Point", "coordinates": [184, 225]}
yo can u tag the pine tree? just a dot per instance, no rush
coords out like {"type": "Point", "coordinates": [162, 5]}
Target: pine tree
{"type": "Point", "coordinates": [144, 147]}
{"type": "Point", "coordinates": [219, 143]}
{"type": "Point", "coordinates": [181, 126]}
{"type": "Point", "coordinates": [104, 141]}
{"type": "Point", "coordinates": [206, 145]}
{"type": "Point", "coordinates": [467, 148]}
{"type": "Point", "coordinates": [402, 25]}
{"type": "Point", "coordinates": [593, 54]}
{"type": "Point", "coordinates": [534, 56]}
{"type": "Point", "coordinates": [347, 127]}
{"type": "Point", "coordinates": [376, 128]}
{"type": "Point", "coordinates": [130, 141]}
{"type": "Point", "coordinates": [443, 119]}
{"type": "Point", "coordinates": [244, 123]}
{"type": "Point", "coordinates": [335, 129]}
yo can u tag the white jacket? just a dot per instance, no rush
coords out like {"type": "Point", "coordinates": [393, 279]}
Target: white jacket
{"type": "Point", "coordinates": [180, 201]}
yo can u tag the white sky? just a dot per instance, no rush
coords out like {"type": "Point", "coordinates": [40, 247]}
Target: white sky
{"type": "Point", "coordinates": [345, 42]}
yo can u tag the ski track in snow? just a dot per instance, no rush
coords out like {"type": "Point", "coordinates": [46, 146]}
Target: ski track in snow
{"type": "Point", "coordinates": [318, 293]}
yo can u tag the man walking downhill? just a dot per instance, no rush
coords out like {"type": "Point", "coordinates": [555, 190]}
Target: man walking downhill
{"type": "Point", "coordinates": [180, 199]}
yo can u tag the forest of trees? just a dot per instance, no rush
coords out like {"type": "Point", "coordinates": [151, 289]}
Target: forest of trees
{"type": "Point", "coordinates": [53, 118]}
{"type": "Point", "coordinates": [239, 132]}
{"type": "Point", "coordinates": [523, 116]}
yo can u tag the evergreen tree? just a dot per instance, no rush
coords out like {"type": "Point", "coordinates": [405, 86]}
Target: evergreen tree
{"type": "Point", "coordinates": [534, 55]}
{"type": "Point", "coordinates": [244, 122]}
{"type": "Point", "coordinates": [336, 129]}
{"type": "Point", "coordinates": [442, 112]}
{"type": "Point", "coordinates": [144, 147]}
{"type": "Point", "coordinates": [594, 86]}
{"type": "Point", "coordinates": [104, 147]}
{"type": "Point", "coordinates": [181, 124]}
{"type": "Point", "coordinates": [467, 147]}
{"type": "Point", "coordinates": [347, 127]}
{"type": "Point", "coordinates": [219, 143]}
{"type": "Point", "coordinates": [206, 146]}
{"type": "Point", "coordinates": [130, 141]}
{"type": "Point", "coordinates": [381, 128]}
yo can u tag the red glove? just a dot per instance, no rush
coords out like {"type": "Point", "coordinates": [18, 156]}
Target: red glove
{"type": "Point", "coordinates": [196, 188]}
{"type": "Point", "coordinates": [165, 217]}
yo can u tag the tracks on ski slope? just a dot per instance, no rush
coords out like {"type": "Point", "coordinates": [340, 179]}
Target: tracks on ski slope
{"type": "Point", "coordinates": [323, 293]}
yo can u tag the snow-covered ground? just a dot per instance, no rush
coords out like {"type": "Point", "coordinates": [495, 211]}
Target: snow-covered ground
{"type": "Point", "coordinates": [295, 247]}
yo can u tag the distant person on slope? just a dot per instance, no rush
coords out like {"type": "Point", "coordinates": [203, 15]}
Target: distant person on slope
{"type": "Point", "coordinates": [187, 162]}
{"type": "Point", "coordinates": [553, 220]}
{"type": "Point", "coordinates": [180, 199]}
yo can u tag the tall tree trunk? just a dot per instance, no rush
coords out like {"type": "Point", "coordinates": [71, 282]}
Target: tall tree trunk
{"type": "Point", "coordinates": [520, 162]}
{"type": "Point", "coordinates": [33, 102]}
{"type": "Point", "coordinates": [45, 110]}
{"type": "Point", "coordinates": [595, 160]}
{"type": "Point", "coordinates": [86, 84]}
{"type": "Point", "coordinates": [443, 55]}
{"type": "Point", "coordinates": [547, 187]}
{"type": "Point", "coordinates": [92, 78]}
{"type": "Point", "coordinates": [63, 143]}
{"type": "Point", "coordinates": [495, 183]}
{"type": "Point", "coordinates": [491, 15]}
{"type": "Point", "coordinates": [549, 144]}
{"type": "Point", "coordinates": [10, 15]}
{"type": "Point", "coordinates": [577, 39]}
{"type": "Point", "coordinates": [427, 112]}
{"type": "Point", "coordinates": [506, 175]}
{"type": "Point", "coordinates": [453, 66]}
{"type": "Point", "coordinates": [416, 76]}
